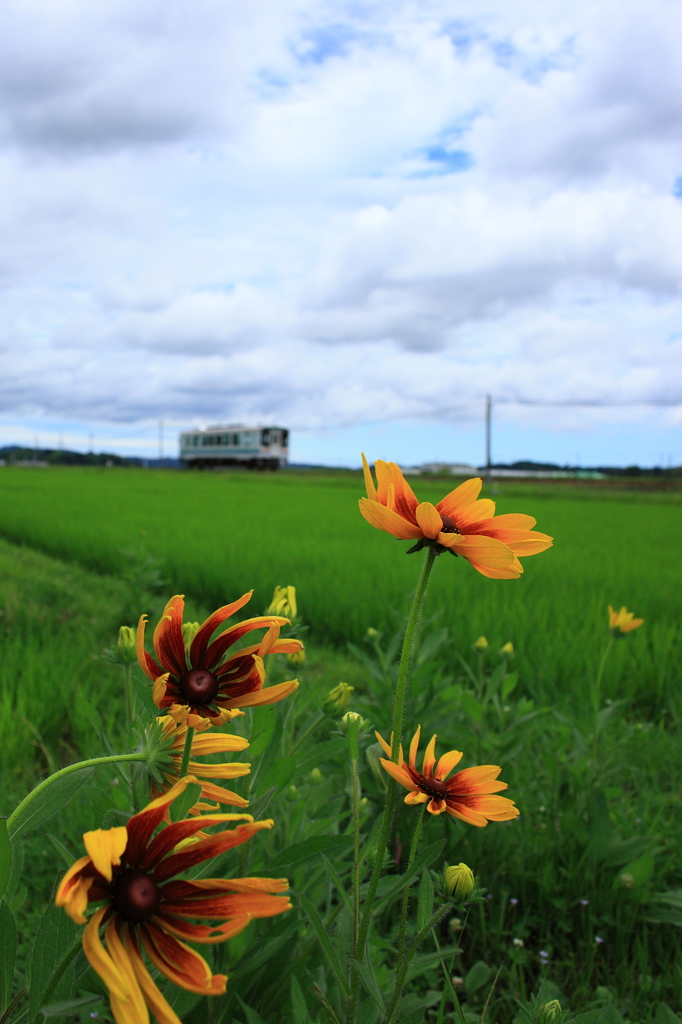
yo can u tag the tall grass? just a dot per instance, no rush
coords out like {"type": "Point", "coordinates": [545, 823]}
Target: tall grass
{"type": "Point", "coordinates": [221, 534]}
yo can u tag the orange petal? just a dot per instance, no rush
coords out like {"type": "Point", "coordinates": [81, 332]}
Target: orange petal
{"type": "Point", "coordinates": [479, 510]}
{"type": "Point", "coordinates": [429, 520]}
{"type": "Point", "coordinates": [397, 773]}
{"type": "Point", "coordinates": [179, 963]}
{"type": "Point", "coordinates": [482, 550]}
{"type": "Point", "coordinates": [437, 805]}
{"type": "Point", "coordinates": [417, 797]}
{"type": "Point", "coordinates": [414, 747]}
{"type": "Point", "coordinates": [512, 573]}
{"type": "Point", "coordinates": [162, 1010]}
{"type": "Point", "coordinates": [465, 813]}
{"type": "Point", "coordinates": [269, 695]}
{"type": "Point", "coordinates": [390, 522]}
{"type": "Point", "coordinates": [429, 757]}
{"type": "Point", "coordinates": [369, 483]}
{"type": "Point", "coordinates": [384, 745]}
{"type": "Point", "coordinates": [134, 1008]}
{"type": "Point", "coordinates": [457, 500]}
{"type": "Point", "coordinates": [446, 763]}
{"type": "Point", "coordinates": [101, 961]}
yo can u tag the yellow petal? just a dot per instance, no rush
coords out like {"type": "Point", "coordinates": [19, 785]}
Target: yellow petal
{"type": "Point", "coordinates": [164, 1013]}
{"type": "Point", "coordinates": [414, 747]}
{"type": "Point", "coordinates": [135, 1005]}
{"type": "Point", "coordinates": [390, 522]}
{"type": "Point", "coordinates": [457, 500]}
{"type": "Point", "coordinates": [446, 763]}
{"type": "Point", "coordinates": [369, 483]}
{"type": "Point", "coordinates": [100, 960]}
{"type": "Point", "coordinates": [429, 756]}
{"type": "Point", "coordinates": [429, 520]}
{"type": "Point", "coordinates": [267, 696]}
{"type": "Point", "coordinates": [105, 847]}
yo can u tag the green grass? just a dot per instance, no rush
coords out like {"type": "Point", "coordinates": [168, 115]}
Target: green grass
{"type": "Point", "coordinates": [597, 791]}
{"type": "Point", "coordinates": [218, 535]}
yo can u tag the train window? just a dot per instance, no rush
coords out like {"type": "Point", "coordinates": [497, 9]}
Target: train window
{"type": "Point", "coordinates": [285, 437]}
{"type": "Point", "coordinates": [265, 437]}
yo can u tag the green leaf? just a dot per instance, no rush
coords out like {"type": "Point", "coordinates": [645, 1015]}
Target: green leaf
{"type": "Point", "coordinates": [261, 741]}
{"type": "Point", "coordinates": [509, 685]}
{"type": "Point", "coordinates": [625, 850]}
{"type": "Point", "coordinates": [422, 860]}
{"type": "Point", "coordinates": [65, 854]}
{"type": "Point", "coordinates": [425, 901]}
{"type": "Point", "coordinates": [415, 1017]}
{"type": "Point", "coordinates": [664, 1015]}
{"type": "Point", "coordinates": [326, 945]}
{"type": "Point", "coordinates": [8, 953]}
{"type": "Point", "coordinates": [65, 1007]}
{"type": "Point", "coordinates": [54, 948]}
{"type": "Point", "coordinates": [187, 799]}
{"type": "Point", "coordinates": [5, 857]}
{"type": "Point", "coordinates": [255, 960]}
{"type": "Point", "coordinates": [437, 954]}
{"type": "Point", "coordinates": [143, 691]}
{"type": "Point", "coordinates": [251, 1016]}
{"type": "Point", "coordinates": [637, 872]}
{"type": "Point", "coordinates": [309, 848]}
{"type": "Point", "coordinates": [279, 774]}
{"type": "Point", "coordinates": [591, 1017]}
{"type": "Point", "coordinates": [366, 974]}
{"type": "Point", "coordinates": [298, 1003]}
{"type": "Point", "coordinates": [338, 882]}
{"type": "Point", "coordinates": [477, 976]}
{"type": "Point", "coordinates": [48, 802]}
{"type": "Point", "coordinates": [472, 707]}
{"type": "Point", "coordinates": [257, 808]}
{"type": "Point", "coordinates": [17, 899]}
{"type": "Point", "coordinates": [330, 750]}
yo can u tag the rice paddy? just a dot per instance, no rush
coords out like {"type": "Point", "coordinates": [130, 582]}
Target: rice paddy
{"type": "Point", "coordinates": [86, 550]}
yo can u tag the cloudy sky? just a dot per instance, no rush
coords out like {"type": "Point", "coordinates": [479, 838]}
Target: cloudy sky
{"type": "Point", "coordinates": [352, 217]}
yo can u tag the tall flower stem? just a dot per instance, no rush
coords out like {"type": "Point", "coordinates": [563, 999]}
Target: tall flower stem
{"type": "Point", "coordinates": [93, 762]}
{"type": "Point", "coordinates": [406, 891]}
{"type": "Point", "coordinates": [596, 690]}
{"type": "Point", "coordinates": [355, 783]}
{"type": "Point", "coordinates": [404, 965]}
{"type": "Point", "coordinates": [389, 806]}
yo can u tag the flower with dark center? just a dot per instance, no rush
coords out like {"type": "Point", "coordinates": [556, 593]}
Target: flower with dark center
{"type": "Point", "coordinates": [461, 523]}
{"type": "Point", "coordinates": [202, 676]}
{"type": "Point", "coordinates": [146, 910]}
{"type": "Point", "coordinates": [466, 795]}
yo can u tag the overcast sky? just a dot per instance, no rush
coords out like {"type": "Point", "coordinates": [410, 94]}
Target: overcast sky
{"type": "Point", "coordinates": [352, 218]}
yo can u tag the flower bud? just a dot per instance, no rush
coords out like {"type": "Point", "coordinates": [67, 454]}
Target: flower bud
{"type": "Point", "coordinates": [458, 881]}
{"type": "Point", "coordinates": [283, 603]}
{"type": "Point", "coordinates": [481, 644]}
{"type": "Point", "coordinates": [351, 718]}
{"type": "Point", "coordinates": [125, 651]}
{"type": "Point", "coordinates": [551, 1009]}
{"type": "Point", "coordinates": [291, 793]}
{"type": "Point", "coordinates": [508, 648]}
{"type": "Point", "coordinates": [315, 776]}
{"type": "Point", "coordinates": [296, 659]}
{"type": "Point", "coordinates": [337, 700]}
{"type": "Point", "coordinates": [372, 634]}
{"type": "Point", "coordinates": [189, 631]}
{"type": "Point", "coordinates": [126, 638]}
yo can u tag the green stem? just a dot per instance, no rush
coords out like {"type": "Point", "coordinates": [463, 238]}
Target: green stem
{"type": "Point", "coordinates": [389, 806]}
{"type": "Point", "coordinates": [406, 891]}
{"type": "Point", "coordinates": [184, 764]}
{"type": "Point", "coordinates": [93, 762]}
{"type": "Point", "coordinates": [307, 733]}
{"type": "Point", "coordinates": [404, 966]}
{"type": "Point", "coordinates": [596, 691]}
{"type": "Point", "coordinates": [356, 852]}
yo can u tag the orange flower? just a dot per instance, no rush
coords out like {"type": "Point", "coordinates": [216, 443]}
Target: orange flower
{"type": "Point", "coordinates": [202, 678]}
{"type": "Point", "coordinates": [623, 622]}
{"type": "Point", "coordinates": [467, 795]}
{"type": "Point", "coordinates": [147, 909]}
{"type": "Point", "coordinates": [459, 523]}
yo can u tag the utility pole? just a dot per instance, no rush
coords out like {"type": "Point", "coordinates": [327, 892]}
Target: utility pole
{"type": "Point", "coordinates": [488, 418]}
{"type": "Point", "coordinates": [161, 443]}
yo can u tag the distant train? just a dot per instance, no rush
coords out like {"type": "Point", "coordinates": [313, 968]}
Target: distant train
{"type": "Point", "coordinates": [235, 445]}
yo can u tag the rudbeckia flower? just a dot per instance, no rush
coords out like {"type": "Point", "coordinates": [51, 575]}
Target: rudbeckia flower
{"type": "Point", "coordinates": [467, 795]}
{"type": "Point", "coordinates": [203, 678]}
{"type": "Point", "coordinates": [461, 523]}
{"type": "Point", "coordinates": [144, 908]}
{"type": "Point", "coordinates": [623, 622]}
{"type": "Point", "coordinates": [172, 741]}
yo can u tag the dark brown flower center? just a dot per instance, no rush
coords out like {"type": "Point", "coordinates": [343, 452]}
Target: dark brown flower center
{"type": "Point", "coordinates": [433, 787]}
{"type": "Point", "coordinates": [134, 895]}
{"type": "Point", "coordinates": [198, 686]}
{"type": "Point", "coordinates": [448, 525]}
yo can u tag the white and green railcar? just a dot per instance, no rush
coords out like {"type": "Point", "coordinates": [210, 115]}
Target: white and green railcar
{"type": "Point", "coordinates": [235, 445]}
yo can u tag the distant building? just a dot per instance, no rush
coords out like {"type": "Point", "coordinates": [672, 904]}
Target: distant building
{"type": "Point", "coordinates": [235, 444]}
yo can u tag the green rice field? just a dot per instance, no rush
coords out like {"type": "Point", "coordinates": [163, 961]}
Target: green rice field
{"type": "Point", "coordinates": [585, 888]}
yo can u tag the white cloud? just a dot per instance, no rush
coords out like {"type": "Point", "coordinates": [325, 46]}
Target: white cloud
{"type": "Point", "coordinates": [331, 214]}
